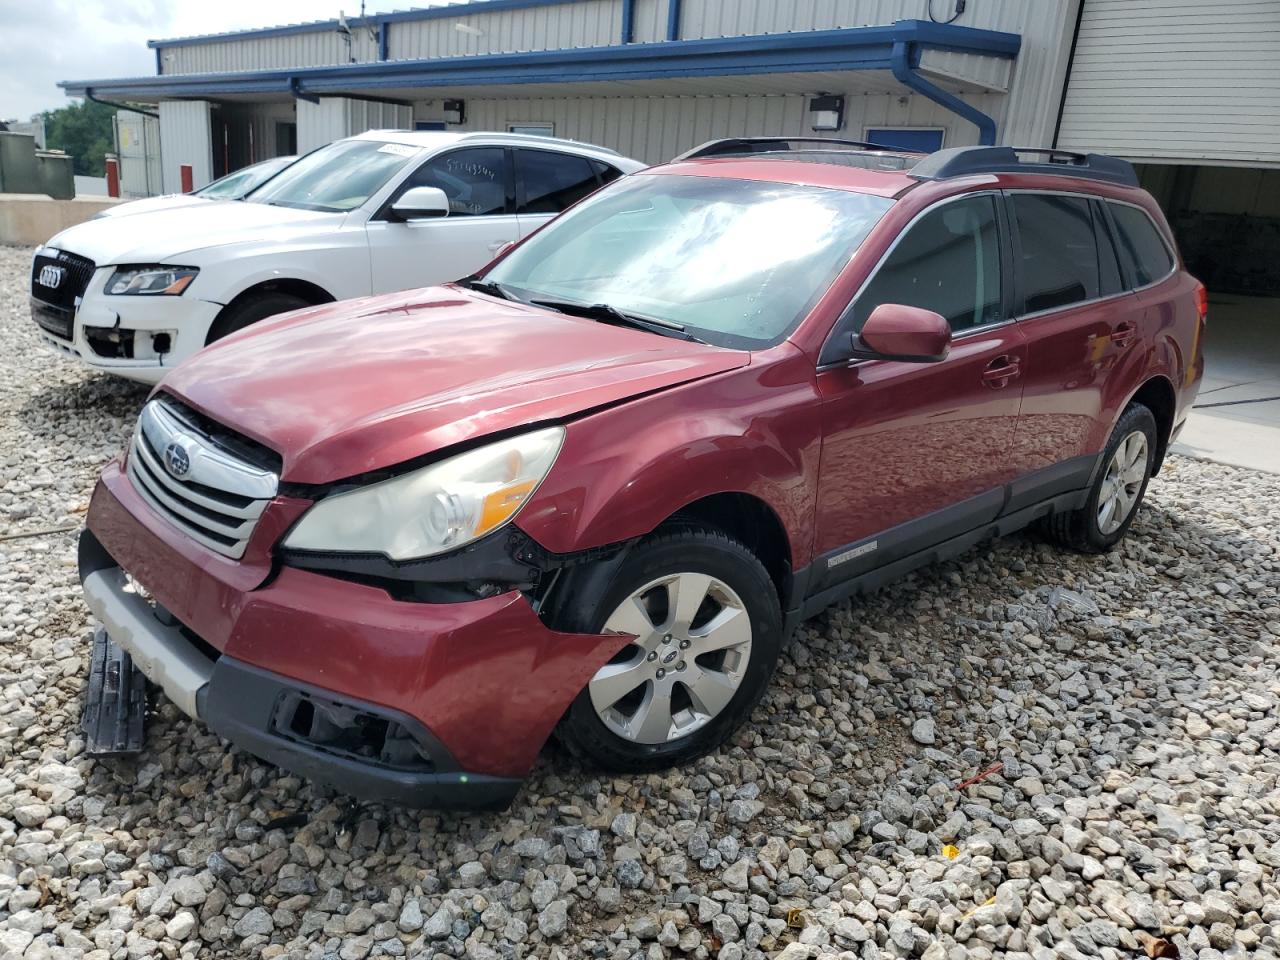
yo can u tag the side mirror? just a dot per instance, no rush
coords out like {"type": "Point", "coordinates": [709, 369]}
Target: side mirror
{"type": "Point", "coordinates": [895, 331]}
{"type": "Point", "coordinates": [421, 203]}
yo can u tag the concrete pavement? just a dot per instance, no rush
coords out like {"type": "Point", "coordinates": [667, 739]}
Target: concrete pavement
{"type": "Point", "coordinates": [1242, 363]}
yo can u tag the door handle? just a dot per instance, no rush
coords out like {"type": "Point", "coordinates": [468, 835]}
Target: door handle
{"type": "Point", "coordinates": [1122, 334]}
{"type": "Point", "coordinates": [1000, 371]}
{"type": "Point", "coordinates": [497, 245]}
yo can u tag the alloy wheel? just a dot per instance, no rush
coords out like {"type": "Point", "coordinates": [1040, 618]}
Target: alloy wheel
{"type": "Point", "coordinates": [691, 650]}
{"type": "Point", "coordinates": [1122, 482]}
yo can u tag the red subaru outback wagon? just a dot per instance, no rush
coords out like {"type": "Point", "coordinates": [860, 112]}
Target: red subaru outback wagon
{"type": "Point", "coordinates": [394, 544]}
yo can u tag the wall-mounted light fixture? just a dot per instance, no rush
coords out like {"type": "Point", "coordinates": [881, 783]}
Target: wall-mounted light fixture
{"type": "Point", "coordinates": [826, 113]}
{"type": "Point", "coordinates": [454, 111]}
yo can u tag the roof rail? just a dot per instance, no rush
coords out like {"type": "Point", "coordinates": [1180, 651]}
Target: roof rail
{"type": "Point", "coordinates": [965, 161]}
{"type": "Point", "coordinates": [533, 139]}
{"type": "Point", "coordinates": [739, 145]}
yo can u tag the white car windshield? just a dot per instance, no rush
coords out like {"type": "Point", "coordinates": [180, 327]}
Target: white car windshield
{"type": "Point", "coordinates": [336, 178]}
{"type": "Point", "coordinates": [734, 262]}
{"type": "Point", "coordinates": [235, 185]}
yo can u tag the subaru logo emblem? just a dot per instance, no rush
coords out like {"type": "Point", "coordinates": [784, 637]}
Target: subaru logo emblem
{"type": "Point", "coordinates": [671, 656]}
{"type": "Point", "coordinates": [176, 459]}
{"type": "Point", "coordinates": [51, 276]}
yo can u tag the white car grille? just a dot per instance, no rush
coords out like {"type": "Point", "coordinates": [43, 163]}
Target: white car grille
{"type": "Point", "coordinates": [203, 489]}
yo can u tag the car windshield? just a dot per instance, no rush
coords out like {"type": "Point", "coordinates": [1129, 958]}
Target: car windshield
{"type": "Point", "coordinates": [737, 263]}
{"type": "Point", "coordinates": [236, 185]}
{"type": "Point", "coordinates": [336, 178]}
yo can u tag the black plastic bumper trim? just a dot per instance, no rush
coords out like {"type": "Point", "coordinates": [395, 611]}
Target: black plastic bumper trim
{"type": "Point", "coordinates": [240, 704]}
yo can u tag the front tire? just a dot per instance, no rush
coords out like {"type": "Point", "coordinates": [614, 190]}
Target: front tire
{"type": "Point", "coordinates": [1117, 490]}
{"type": "Point", "coordinates": [237, 316]}
{"type": "Point", "coordinates": [708, 629]}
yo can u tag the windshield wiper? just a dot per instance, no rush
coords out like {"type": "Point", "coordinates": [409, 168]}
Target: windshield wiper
{"type": "Point", "coordinates": [491, 287]}
{"type": "Point", "coordinates": [607, 313]}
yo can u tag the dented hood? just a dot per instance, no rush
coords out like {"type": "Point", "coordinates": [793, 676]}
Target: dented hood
{"type": "Point", "coordinates": [350, 387]}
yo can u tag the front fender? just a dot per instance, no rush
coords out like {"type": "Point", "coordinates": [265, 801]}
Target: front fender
{"type": "Point", "coordinates": [626, 469]}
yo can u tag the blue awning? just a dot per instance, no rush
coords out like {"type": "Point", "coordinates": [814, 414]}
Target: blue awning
{"type": "Point", "coordinates": [856, 48]}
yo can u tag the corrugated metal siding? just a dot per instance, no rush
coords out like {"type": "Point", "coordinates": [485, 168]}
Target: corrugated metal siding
{"type": "Point", "coordinates": [336, 117]}
{"type": "Point", "coordinates": [185, 133]}
{"type": "Point", "coordinates": [312, 49]}
{"type": "Point", "coordinates": [1177, 80]}
{"type": "Point", "coordinates": [650, 21]}
{"type": "Point", "coordinates": [586, 23]}
{"type": "Point", "coordinates": [655, 129]}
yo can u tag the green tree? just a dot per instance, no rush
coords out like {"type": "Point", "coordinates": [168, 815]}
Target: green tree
{"type": "Point", "coordinates": [83, 130]}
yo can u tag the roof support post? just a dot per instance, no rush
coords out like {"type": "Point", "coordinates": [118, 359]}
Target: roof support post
{"type": "Point", "coordinates": [900, 62]}
{"type": "Point", "coordinates": [673, 19]}
{"type": "Point", "coordinates": [628, 20]}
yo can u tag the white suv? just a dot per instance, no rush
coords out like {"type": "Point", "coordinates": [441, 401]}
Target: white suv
{"type": "Point", "coordinates": [386, 210]}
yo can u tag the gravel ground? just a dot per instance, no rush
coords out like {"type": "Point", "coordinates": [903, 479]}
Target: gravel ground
{"type": "Point", "coordinates": [1132, 700]}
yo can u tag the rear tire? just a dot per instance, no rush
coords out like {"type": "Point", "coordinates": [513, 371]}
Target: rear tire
{"type": "Point", "coordinates": [700, 672]}
{"type": "Point", "coordinates": [239, 315]}
{"type": "Point", "coordinates": [1116, 494]}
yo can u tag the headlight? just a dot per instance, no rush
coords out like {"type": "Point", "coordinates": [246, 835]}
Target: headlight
{"type": "Point", "coordinates": [151, 281]}
{"type": "Point", "coordinates": [435, 509]}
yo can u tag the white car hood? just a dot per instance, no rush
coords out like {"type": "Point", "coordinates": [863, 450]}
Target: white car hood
{"type": "Point", "coordinates": [163, 235]}
{"type": "Point", "coordinates": [151, 205]}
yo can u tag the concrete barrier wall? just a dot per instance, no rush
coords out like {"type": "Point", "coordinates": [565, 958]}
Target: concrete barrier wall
{"type": "Point", "coordinates": [28, 219]}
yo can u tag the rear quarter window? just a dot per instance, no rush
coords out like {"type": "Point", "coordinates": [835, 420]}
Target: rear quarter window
{"type": "Point", "coordinates": [1142, 249]}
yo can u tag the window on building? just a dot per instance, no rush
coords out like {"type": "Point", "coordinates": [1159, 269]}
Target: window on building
{"type": "Point", "coordinates": [1141, 249]}
{"type": "Point", "coordinates": [473, 179]}
{"type": "Point", "coordinates": [286, 138]}
{"type": "Point", "coordinates": [948, 262]}
{"type": "Point", "coordinates": [549, 182]}
{"type": "Point", "coordinates": [1059, 253]}
{"type": "Point", "coordinates": [533, 129]}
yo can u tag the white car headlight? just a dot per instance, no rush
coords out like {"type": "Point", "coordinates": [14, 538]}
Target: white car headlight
{"type": "Point", "coordinates": [435, 509]}
{"type": "Point", "coordinates": [151, 281]}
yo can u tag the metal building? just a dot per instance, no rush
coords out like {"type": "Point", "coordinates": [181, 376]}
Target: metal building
{"type": "Point", "coordinates": [649, 78]}
{"type": "Point", "coordinates": [1191, 91]}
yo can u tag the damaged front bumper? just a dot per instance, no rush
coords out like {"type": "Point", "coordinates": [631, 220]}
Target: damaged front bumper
{"type": "Point", "coordinates": [423, 704]}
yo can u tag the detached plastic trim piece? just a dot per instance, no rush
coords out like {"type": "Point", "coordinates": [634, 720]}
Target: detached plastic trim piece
{"type": "Point", "coordinates": [115, 701]}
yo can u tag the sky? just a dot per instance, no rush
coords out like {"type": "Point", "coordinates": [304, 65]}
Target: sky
{"type": "Point", "coordinates": [44, 41]}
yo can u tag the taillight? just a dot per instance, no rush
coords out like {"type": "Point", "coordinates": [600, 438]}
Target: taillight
{"type": "Point", "coordinates": [1202, 303]}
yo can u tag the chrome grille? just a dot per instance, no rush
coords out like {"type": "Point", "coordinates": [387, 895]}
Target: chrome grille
{"type": "Point", "coordinates": [195, 483]}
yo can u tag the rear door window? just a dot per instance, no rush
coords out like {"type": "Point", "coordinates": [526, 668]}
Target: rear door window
{"type": "Point", "coordinates": [1141, 248]}
{"type": "Point", "coordinates": [1058, 263]}
{"type": "Point", "coordinates": [548, 182]}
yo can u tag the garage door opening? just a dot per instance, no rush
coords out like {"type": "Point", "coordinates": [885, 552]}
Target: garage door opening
{"type": "Point", "coordinates": [1227, 223]}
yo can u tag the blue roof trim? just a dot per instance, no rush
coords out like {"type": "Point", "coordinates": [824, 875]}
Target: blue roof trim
{"type": "Point", "coordinates": [854, 48]}
{"type": "Point", "coordinates": [372, 20]}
